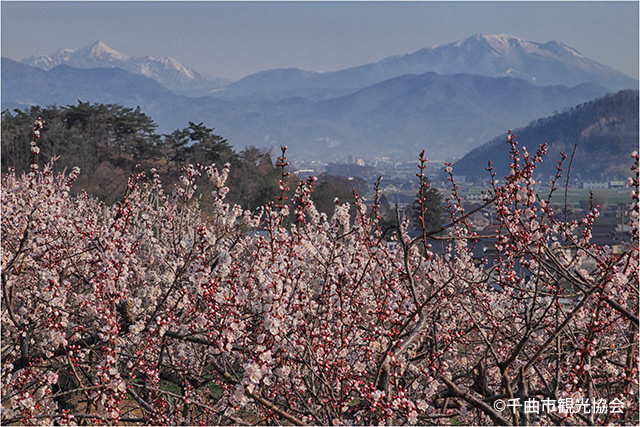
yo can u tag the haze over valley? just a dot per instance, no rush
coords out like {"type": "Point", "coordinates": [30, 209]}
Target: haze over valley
{"type": "Point", "coordinates": [446, 99]}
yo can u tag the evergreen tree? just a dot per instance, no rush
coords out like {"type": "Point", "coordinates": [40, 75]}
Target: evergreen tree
{"type": "Point", "coordinates": [433, 210]}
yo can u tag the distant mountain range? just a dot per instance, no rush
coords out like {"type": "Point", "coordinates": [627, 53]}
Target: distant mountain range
{"type": "Point", "coordinates": [447, 115]}
{"type": "Point", "coordinates": [446, 99]}
{"type": "Point", "coordinates": [604, 131]}
{"type": "Point", "coordinates": [501, 55]}
{"type": "Point", "coordinates": [167, 71]}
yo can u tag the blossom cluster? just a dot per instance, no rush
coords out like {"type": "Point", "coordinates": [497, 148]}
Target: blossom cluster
{"type": "Point", "coordinates": [150, 312]}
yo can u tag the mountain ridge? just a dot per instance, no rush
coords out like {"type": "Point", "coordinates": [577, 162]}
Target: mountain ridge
{"type": "Point", "coordinates": [496, 55]}
{"type": "Point", "coordinates": [490, 55]}
{"type": "Point", "coordinates": [325, 115]}
{"type": "Point", "coordinates": [604, 132]}
{"type": "Point", "coordinates": [446, 114]}
{"type": "Point", "coordinates": [168, 71]}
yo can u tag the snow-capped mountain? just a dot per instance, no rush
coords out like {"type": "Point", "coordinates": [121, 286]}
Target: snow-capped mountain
{"type": "Point", "coordinates": [165, 70]}
{"type": "Point", "coordinates": [94, 55]}
{"type": "Point", "coordinates": [501, 55]}
{"type": "Point", "coordinates": [504, 55]}
{"type": "Point", "coordinates": [448, 98]}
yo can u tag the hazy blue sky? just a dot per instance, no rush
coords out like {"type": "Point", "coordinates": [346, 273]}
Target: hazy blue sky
{"type": "Point", "coordinates": [234, 39]}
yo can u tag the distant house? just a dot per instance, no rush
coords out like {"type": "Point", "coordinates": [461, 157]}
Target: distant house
{"type": "Point", "coordinates": [305, 173]}
{"type": "Point", "coordinates": [390, 188]}
{"type": "Point", "coordinates": [595, 185]}
{"type": "Point", "coordinates": [474, 197]}
{"type": "Point", "coordinates": [613, 235]}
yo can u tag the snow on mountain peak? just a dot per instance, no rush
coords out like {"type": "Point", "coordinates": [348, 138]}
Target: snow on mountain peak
{"type": "Point", "coordinates": [100, 50]}
{"type": "Point", "coordinates": [156, 67]}
{"type": "Point", "coordinates": [508, 45]}
{"type": "Point", "coordinates": [503, 44]}
{"type": "Point", "coordinates": [507, 55]}
{"type": "Point", "coordinates": [96, 54]}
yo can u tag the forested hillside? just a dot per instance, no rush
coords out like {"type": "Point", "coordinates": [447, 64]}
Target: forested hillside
{"type": "Point", "coordinates": [604, 132]}
{"type": "Point", "coordinates": [109, 142]}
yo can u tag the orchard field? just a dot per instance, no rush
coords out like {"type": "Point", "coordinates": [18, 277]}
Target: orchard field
{"type": "Point", "coordinates": [157, 311]}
